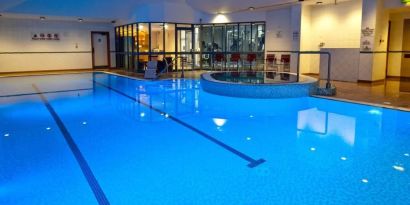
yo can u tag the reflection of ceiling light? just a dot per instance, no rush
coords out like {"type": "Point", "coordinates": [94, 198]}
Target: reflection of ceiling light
{"type": "Point", "coordinates": [248, 138]}
{"type": "Point", "coordinates": [7, 135]}
{"type": "Point", "coordinates": [312, 149]}
{"type": "Point", "coordinates": [398, 168]}
{"type": "Point", "coordinates": [219, 121]}
{"type": "Point", "coordinates": [343, 158]}
{"type": "Point", "coordinates": [375, 112]}
{"type": "Point", "coordinates": [407, 154]}
{"type": "Point", "coordinates": [48, 128]}
{"type": "Point", "coordinates": [84, 123]}
{"type": "Point", "coordinates": [365, 181]}
{"type": "Point", "coordinates": [142, 114]}
{"type": "Point", "coordinates": [141, 27]}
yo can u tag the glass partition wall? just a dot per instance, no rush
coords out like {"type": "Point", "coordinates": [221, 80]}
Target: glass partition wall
{"type": "Point", "coordinates": [194, 46]}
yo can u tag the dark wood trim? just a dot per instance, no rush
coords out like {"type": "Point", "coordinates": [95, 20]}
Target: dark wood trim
{"type": "Point", "coordinates": [108, 48]}
{"type": "Point", "coordinates": [371, 81]}
{"type": "Point", "coordinates": [388, 48]}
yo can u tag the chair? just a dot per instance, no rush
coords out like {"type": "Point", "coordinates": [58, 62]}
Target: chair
{"type": "Point", "coordinates": [151, 71]}
{"type": "Point", "coordinates": [271, 62]}
{"type": "Point", "coordinates": [285, 60]}
{"type": "Point", "coordinates": [250, 60]}
{"type": "Point", "coordinates": [220, 59]}
{"type": "Point", "coordinates": [235, 57]}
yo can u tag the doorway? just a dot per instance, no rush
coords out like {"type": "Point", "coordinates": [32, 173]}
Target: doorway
{"type": "Point", "coordinates": [185, 47]}
{"type": "Point", "coordinates": [100, 44]}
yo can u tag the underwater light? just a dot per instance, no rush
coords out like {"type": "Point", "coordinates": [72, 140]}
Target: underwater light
{"type": "Point", "coordinates": [398, 168]}
{"type": "Point", "coordinates": [219, 121]}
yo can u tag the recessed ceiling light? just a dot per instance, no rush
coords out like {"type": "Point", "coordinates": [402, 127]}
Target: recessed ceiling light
{"type": "Point", "coordinates": [251, 8]}
{"type": "Point", "coordinates": [80, 20]}
{"type": "Point", "coordinates": [42, 18]}
{"type": "Point", "coordinates": [319, 2]}
{"type": "Point", "coordinates": [113, 21]}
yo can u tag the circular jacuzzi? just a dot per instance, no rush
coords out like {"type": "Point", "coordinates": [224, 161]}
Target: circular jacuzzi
{"type": "Point", "coordinates": [258, 84]}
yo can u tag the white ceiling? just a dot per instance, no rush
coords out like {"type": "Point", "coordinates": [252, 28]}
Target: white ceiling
{"type": "Point", "coordinates": [122, 9]}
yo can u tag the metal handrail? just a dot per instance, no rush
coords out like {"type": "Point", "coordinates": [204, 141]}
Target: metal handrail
{"type": "Point", "coordinates": [183, 63]}
{"type": "Point", "coordinates": [377, 52]}
{"type": "Point", "coordinates": [328, 84]}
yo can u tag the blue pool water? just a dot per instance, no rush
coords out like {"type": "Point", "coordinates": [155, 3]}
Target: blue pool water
{"type": "Point", "coordinates": [97, 138]}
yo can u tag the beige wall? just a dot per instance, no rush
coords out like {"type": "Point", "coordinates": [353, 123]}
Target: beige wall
{"type": "Point", "coordinates": [380, 44]}
{"type": "Point", "coordinates": [15, 36]}
{"type": "Point", "coordinates": [396, 42]}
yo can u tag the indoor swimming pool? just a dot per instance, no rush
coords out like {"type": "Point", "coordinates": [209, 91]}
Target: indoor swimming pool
{"type": "Point", "coordinates": [97, 138]}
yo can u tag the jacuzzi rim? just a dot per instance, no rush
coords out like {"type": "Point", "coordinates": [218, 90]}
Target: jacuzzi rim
{"type": "Point", "coordinates": [207, 76]}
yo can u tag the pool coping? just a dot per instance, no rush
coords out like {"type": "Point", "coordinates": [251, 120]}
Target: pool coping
{"type": "Point", "coordinates": [391, 107]}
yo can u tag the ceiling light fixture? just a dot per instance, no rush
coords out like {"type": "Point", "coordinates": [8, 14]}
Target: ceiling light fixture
{"type": "Point", "coordinates": [319, 2]}
{"type": "Point", "coordinates": [42, 18]}
{"type": "Point", "coordinates": [251, 8]}
{"type": "Point", "coordinates": [80, 20]}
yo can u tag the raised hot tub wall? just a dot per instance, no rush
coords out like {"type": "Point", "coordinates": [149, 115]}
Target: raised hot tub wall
{"type": "Point", "coordinates": [285, 90]}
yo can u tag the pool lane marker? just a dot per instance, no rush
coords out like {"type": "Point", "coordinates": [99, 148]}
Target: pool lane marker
{"type": "Point", "coordinates": [252, 162]}
{"type": "Point", "coordinates": [85, 168]}
{"type": "Point", "coordinates": [47, 92]}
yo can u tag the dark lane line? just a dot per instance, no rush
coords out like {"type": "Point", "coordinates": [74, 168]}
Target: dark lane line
{"type": "Point", "coordinates": [85, 168]}
{"type": "Point", "coordinates": [47, 92]}
{"type": "Point", "coordinates": [252, 162]}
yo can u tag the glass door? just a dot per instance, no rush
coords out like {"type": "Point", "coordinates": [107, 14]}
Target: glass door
{"type": "Point", "coordinates": [184, 48]}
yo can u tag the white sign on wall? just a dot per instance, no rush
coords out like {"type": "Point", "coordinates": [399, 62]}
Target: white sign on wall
{"type": "Point", "coordinates": [45, 36]}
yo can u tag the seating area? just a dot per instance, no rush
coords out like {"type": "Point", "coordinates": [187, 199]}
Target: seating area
{"type": "Point", "coordinates": [223, 62]}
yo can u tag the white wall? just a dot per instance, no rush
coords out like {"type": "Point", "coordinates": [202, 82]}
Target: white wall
{"type": "Point", "coordinates": [337, 26]}
{"type": "Point", "coordinates": [372, 66]}
{"type": "Point", "coordinates": [278, 29]}
{"type": "Point", "coordinates": [15, 36]}
{"type": "Point", "coordinates": [165, 12]}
